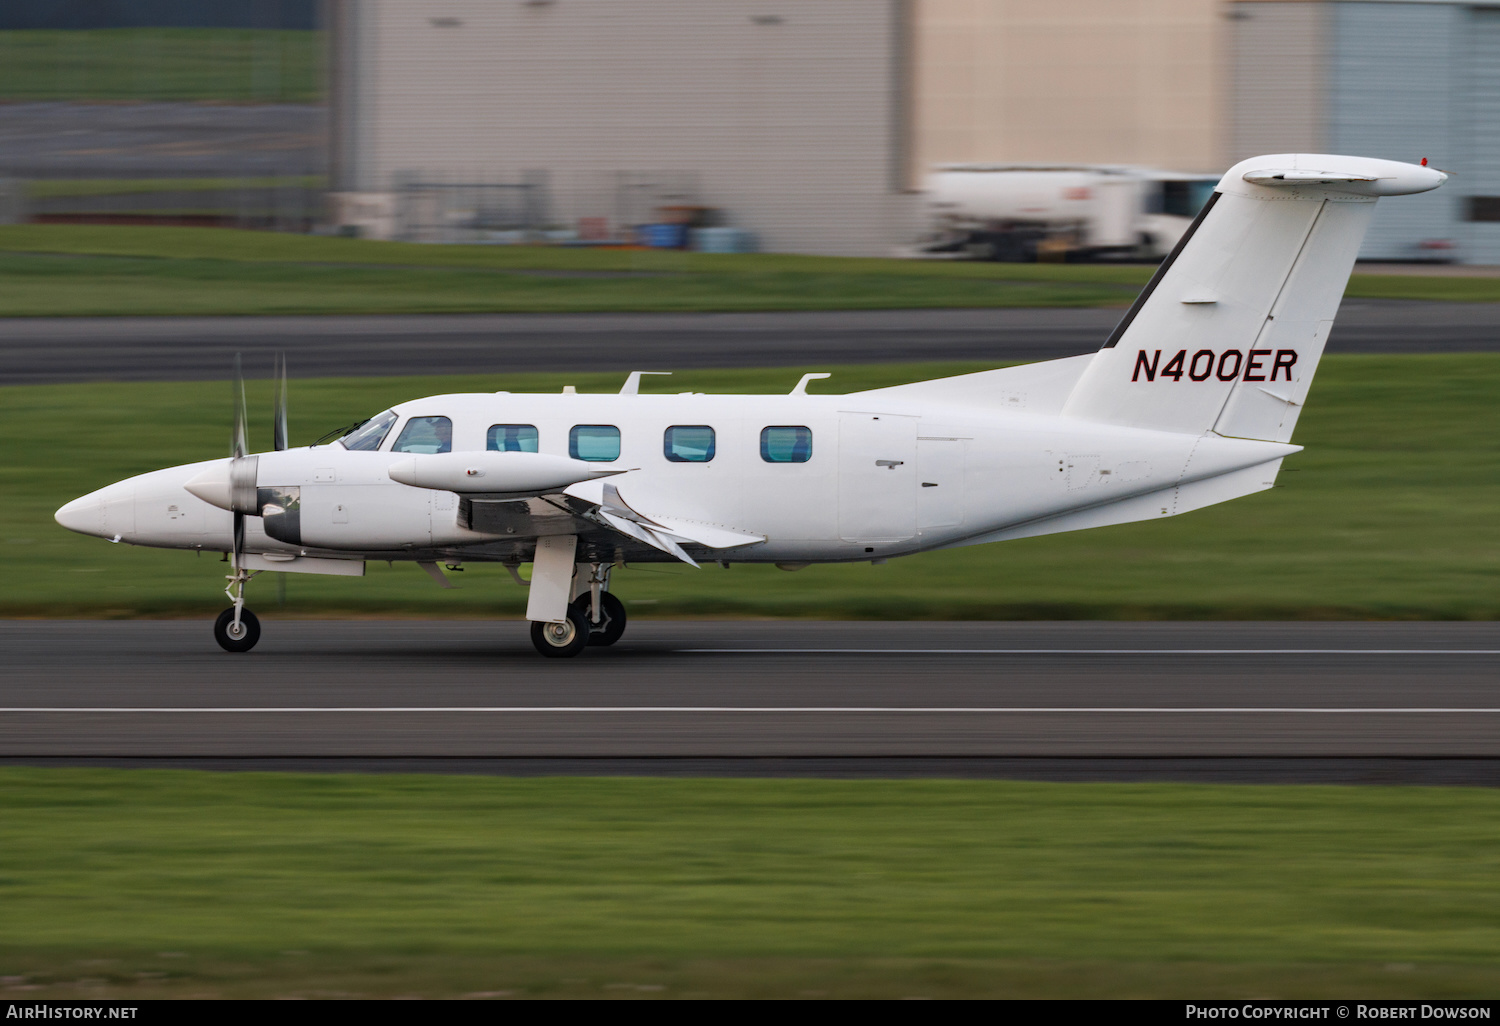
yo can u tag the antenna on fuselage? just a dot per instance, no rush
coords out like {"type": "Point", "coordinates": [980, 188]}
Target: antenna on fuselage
{"type": "Point", "coordinates": [801, 388]}
{"type": "Point", "coordinates": [632, 384]}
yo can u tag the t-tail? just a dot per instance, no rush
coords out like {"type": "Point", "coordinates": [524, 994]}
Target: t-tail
{"type": "Point", "coordinates": [1228, 333]}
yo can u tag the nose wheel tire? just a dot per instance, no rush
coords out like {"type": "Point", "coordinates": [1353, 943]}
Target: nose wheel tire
{"type": "Point", "coordinates": [236, 639]}
{"type": "Point", "coordinates": [611, 625]}
{"type": "Point", "coordinates": [562, 640]}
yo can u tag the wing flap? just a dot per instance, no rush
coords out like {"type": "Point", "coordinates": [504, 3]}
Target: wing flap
{"type": "Point", "coordinates": [708, 535]}
{"type": "Point", "coordinates": [600, 504]}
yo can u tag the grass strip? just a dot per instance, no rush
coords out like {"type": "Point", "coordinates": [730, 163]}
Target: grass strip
{"type": "Point", "coordinates": [51, 285]}
{"type": "Point", "coordinates": [1388, 514]}
{"type": "Point", "coordinates": [212, 270]}
{"type": "Point", "coordinates": [161, 882]}
{"type": "Point", "coordinates": [202, 64]}
{"type": "Point", "coordinates": [281, 247]}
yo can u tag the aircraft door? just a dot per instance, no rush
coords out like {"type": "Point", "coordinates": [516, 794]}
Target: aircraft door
{"type": "Point", "coordinates": [877, 477]}
{"type": "Point", "coordinates": [940, 490]}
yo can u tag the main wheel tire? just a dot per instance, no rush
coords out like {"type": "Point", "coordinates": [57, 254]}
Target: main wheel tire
{"type": "Point", "coordinates": [611, 623]}
{"type": "Point", "coordinates": [231, 640]}
{"type": "Point", "coordinates": [561, 640]}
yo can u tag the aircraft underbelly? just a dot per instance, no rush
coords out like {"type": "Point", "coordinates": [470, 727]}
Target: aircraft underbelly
{"type": "Point", "coordinates": [877, 477]}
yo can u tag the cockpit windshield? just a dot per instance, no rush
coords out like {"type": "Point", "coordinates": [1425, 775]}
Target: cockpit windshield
{"type": "Point", "coordinates": [368, 435]}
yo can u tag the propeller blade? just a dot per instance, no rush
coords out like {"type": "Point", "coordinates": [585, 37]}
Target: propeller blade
{"type": "Point", "coordinates": [239, 541]}
{"type": "Point", "coordinates": [279, 422]}
{"type": "Point", "coordinates": [239, 444]}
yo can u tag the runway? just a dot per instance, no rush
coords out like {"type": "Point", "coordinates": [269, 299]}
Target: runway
{"type": "Point", "coordinates": [43, 350]}
{"type": "Point", "coordinates": [1396, 702]}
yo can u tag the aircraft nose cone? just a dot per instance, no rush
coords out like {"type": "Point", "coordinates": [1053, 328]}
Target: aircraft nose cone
{"type": "Point", "coordinates": [107, 513]}
{"type": "Point", "coordinates": [84, 515]}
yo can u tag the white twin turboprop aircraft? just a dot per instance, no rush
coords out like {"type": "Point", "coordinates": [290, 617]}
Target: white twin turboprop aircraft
{"type": "Point", "coordinates": [1191, 401]}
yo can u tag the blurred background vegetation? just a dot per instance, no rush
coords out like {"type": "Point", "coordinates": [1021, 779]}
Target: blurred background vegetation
{"type": "Point", "coordinates": [224, 65]}
{"type": "Point", "coordinates": [103, 270]}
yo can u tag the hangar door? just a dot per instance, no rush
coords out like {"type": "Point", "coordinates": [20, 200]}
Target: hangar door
{"type": "Point", "coordinates": [1481, 181]}
{"type": "Point", "coordinates": [877, 477]}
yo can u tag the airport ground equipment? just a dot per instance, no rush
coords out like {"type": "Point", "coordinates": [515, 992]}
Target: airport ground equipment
{"type": "Point", "coordinates": [1191, 401]}
{"type": "Point", "coordinates": [1026, 212]}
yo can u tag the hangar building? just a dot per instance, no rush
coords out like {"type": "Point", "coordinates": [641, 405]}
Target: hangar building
{"type": "Point", "coordinates": [790, 117]}
{"type": "Point", "coordinates": [1405, 80]}
{"type": "Point", "coordinates": [810, 123]}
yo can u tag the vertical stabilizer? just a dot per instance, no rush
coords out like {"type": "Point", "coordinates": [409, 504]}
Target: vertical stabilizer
{"type": "Point", "coordinates": [1229, 331]}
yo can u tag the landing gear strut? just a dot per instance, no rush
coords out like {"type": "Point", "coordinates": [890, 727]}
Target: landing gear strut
{"type": "Point", "coordinates": [237, 629]}
{"type": "Point", "coordinates": [604, 612]}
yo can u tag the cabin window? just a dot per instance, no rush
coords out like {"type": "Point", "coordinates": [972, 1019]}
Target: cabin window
{"type": "Point", "coordinates": [692, 443]}
{"type": "Point", "coordinates": [511, 438]}
{"type": "Point", "coordinates": [597, 443]}
{"type": "Point", "coordinates": [368, 436]}
{"type": "Point", "coordinates": [425, 435]}
{"type": "Point", "coordinates": [786, 444]}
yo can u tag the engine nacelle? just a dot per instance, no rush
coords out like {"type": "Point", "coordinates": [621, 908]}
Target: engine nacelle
{"type": "Point", "coordinates": [510, 474]}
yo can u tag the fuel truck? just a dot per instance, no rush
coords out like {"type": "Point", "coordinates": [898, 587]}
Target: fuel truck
{"type": "Point", "coordinates": [1061, 212]}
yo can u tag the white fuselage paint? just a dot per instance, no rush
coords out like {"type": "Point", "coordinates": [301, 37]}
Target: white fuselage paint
{"type": "Point", "coordinates": [886, 477]}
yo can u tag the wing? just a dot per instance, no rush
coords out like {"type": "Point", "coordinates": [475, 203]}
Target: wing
{"type": "Point", "coordinates": [596, 513]}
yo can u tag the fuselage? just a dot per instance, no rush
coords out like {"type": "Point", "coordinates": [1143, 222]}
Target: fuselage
{"type": "Point", "coordinates": [819, 478]}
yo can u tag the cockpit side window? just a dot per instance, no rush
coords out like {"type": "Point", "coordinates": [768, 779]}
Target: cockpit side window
{"type": "Point", "coordinates": [368, 436]}
{"type": "Point", "coordinates": [511, 438]}
{"type": "Point", "coordinates": [425, 435]}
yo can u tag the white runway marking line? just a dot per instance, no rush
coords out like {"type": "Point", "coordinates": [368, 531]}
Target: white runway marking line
{"type": "Point", "coordinates": [1091, 651]}
{"type": "Point", "coordinates": [617, 709]}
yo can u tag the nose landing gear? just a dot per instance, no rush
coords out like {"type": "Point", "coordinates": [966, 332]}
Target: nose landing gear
{"type": "Point", "coordinates": [237, 629]}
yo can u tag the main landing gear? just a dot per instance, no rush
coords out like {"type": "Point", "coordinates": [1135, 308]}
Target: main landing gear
{"type": "Point", "coordinates": [593, 616]}
{"type": "Point", "coordinates": [237, 629]}
{"type": "Point", "coordinates": [580, 630]}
